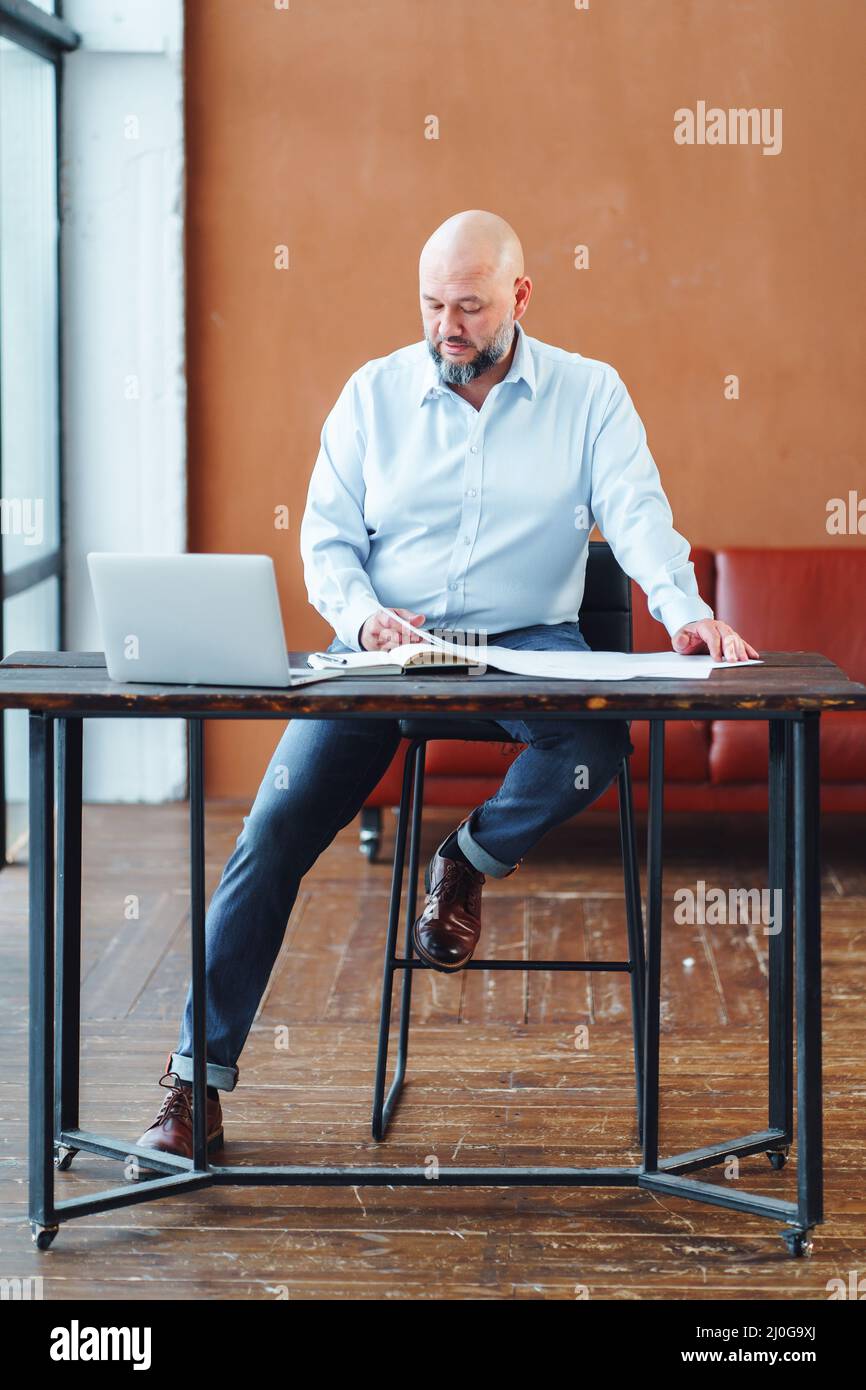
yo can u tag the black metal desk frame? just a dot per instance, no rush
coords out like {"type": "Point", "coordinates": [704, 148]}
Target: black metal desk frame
{"type": "Point", "coordinates": [794, 869]}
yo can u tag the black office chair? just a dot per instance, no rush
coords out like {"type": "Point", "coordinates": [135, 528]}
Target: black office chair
{"type": "Point", "coordinates": [605, 621]}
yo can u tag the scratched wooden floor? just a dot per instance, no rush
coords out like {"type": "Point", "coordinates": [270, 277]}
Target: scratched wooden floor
{"type": "Point", "coordinates": [495, 1076]}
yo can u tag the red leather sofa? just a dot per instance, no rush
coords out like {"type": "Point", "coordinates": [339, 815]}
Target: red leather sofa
{"type": "Point", "coordinates": [780, 600]}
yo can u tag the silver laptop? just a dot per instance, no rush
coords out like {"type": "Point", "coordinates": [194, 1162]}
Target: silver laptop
{"type": "Point", "coordinates": [191, 619]}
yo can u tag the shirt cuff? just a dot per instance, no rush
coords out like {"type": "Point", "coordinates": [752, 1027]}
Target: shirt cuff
{"type": "Point", "coordinates": [679, 611]}
{"type": "Point", "coordinates": [352, 619]}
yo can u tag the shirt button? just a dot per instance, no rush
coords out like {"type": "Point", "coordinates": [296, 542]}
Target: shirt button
{"type": "Point", "coordinates": [466, 540]}
{"type": "Point", "coordinates": [471, 492]}
{"type": "Point", "coordinates": [452, 586]}
{"type": "Point", "coordinates": [473, 449]}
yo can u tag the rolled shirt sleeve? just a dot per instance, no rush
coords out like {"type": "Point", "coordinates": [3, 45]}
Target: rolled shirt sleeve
{"type": "Point", "coordinates": [631, 508]}
{"type": "Point", "coordinates": [334, 541]}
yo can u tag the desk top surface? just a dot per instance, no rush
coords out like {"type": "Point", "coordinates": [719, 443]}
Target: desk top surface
{"type": "Point", "coordinates": [77, 682]}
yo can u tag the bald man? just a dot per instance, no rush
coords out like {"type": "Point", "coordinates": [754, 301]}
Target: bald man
{"type": "Point", "coordinates": [456, 484]}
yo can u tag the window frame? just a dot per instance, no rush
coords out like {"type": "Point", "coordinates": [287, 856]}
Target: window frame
{"type": "Point", "coordinates": [50, 38]}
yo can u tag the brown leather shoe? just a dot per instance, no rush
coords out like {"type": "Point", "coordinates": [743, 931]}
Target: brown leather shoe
{"type": "Point", "coordinates": [446, 934]}
{"type": "Point", "coordinates": [171, 1131]}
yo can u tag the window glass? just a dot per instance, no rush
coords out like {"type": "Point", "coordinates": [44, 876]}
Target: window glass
{"type": "Point", "coordinates": [30, 520]}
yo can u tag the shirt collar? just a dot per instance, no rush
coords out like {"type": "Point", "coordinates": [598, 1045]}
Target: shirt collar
{"type": "Point", "coordinates": [522, 369]}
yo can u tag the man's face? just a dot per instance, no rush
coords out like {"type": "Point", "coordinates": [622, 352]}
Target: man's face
{"type": "Point", "coordinates": [468, 325]}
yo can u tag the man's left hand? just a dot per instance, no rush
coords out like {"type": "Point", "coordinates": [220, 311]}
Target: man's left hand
{"type": "Point", "coordinates": [709, 635]}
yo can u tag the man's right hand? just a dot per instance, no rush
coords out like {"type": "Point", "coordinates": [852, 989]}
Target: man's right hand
{"type": "Point", "coordinates": [381, 632]}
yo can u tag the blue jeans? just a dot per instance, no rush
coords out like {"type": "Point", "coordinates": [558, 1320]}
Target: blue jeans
{"type": "Point", "coordinates": [319, 777]}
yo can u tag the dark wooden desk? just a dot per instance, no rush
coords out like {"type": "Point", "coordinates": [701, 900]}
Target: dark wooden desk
{"type": "Point", "coordinates": [789, 692]}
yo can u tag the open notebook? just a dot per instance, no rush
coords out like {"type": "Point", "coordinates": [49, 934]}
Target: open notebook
{"type": "Point", "coordinates": [413, 656]}
{"type": "Point", "coordinates": [436, 653]}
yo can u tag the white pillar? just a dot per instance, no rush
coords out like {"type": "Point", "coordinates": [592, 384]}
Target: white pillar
{"type": "Point", "coordinates": [124, 426]}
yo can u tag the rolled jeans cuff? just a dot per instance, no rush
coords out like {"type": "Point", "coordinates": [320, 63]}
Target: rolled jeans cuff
{"type": "Point", "coordinates": [478, 855]}
{"type": "Point", "coordinates": [222, 1078]}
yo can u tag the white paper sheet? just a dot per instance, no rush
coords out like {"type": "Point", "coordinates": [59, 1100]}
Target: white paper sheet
{"type": "Point", "coordinates": [580, 666]}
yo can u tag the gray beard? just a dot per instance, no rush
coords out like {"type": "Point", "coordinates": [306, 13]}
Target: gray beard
{"type": "Point", "coordinates": [463, 373]}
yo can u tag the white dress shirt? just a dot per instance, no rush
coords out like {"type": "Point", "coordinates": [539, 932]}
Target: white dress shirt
{"type": "Point", "coordinates": [480, 519]}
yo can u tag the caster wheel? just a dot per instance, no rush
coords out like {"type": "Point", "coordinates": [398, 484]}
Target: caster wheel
{"type": "Point", "coordinates": [43, 1235]}
{"type": "Point", "coordinates": [63, 1158]}
{"type": "Point", "coordinates": [778, 1158]}
{"type": "Point", "coordinates": [799, 1243]}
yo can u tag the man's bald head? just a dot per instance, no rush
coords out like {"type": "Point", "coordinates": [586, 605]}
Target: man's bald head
{"type": "Point", "coordinates": [475, 241]}
{"type": "Point", "coordinates": [472, 290]}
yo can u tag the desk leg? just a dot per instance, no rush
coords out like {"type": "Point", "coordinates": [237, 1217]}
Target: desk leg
{"type": "Point", "coordinates": [195, 732]}
{"type": "Point", "coordinates": [41, 1027]}
{"type": "Point", "coordinates": [807, 878]}
{"type": "Point", "coordinates": [781, 943]}
{"type": "Point", "coordinates": [68, 984]}
{"type": "Point", "coordinates": [655, 810]}
{"type": "Point", "coordinates": [382, 1107]}
{"type": "Point", "coordinates": [634, 927]}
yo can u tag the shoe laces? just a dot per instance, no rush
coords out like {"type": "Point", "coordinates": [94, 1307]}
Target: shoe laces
{"type": "Point", "coordinates": [460, 879]}
{"type": "Point", "coordinates": [178, 1101]}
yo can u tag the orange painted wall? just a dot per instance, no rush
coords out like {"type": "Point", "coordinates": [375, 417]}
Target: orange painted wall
{"type": "Point", "coordinates": [306, 127]}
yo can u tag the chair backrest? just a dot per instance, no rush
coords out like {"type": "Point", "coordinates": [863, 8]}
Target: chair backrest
{"type": "Point", "coordinates": [605, 613]}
